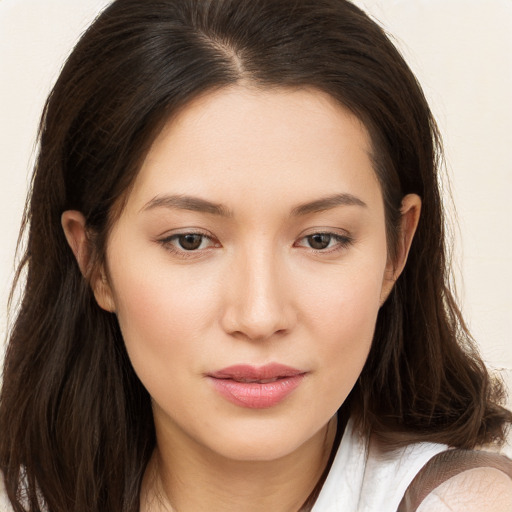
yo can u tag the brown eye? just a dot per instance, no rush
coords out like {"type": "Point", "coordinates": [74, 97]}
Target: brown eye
{"type": "Point", "coordinates": [190, 241]}
{"type": "Point", "coordinates": [319, 241]}
{"type": "Point", "coordinates": [324, 242]}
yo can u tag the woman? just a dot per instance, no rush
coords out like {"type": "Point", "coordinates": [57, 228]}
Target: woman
{"type": "Point", "coordinates": [237, 294]}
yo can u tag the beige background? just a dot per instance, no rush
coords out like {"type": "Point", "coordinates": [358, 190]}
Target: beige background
{"type": "Point", "coordinates": [461, 51]}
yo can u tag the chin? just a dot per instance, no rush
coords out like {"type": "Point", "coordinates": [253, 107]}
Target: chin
{"type": "Point", "coordinates": [256, 452]}
{"type": "Point", "coordinates": [260, 443]}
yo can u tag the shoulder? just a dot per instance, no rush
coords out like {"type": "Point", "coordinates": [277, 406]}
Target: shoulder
{"type": "Point", "coordinates": [473, 490]}
{"type": "Point", "coordinates": [461, 480]}
{"type": "Point", "coordinates": [5, 505]}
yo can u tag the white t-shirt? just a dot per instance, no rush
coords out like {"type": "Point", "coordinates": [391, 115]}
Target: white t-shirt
{"type": "Point", "coordinates": [363, 479]}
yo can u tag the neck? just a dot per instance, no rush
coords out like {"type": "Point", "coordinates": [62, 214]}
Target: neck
{"type": "Point", "coordinates": [181, 478]}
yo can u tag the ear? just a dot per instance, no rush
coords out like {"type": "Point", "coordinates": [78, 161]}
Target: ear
{"type": "Point", "coordinates": [74, 226]}
{"type": "Point", "coordinates": [410, 216]}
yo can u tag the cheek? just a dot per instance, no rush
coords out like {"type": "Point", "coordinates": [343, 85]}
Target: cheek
{"type": "Point", "coordinates": [342, 312]}
{"type": "Point", "coordinates": [344, 299]}
{"type": "Point", "coordinates": [164, 316]}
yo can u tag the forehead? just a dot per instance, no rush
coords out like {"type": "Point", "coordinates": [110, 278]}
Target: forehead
{"type": "Point", "coordinates": [259, 143]}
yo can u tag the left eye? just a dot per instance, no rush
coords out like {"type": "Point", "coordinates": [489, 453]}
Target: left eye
{"type": "Point", "coordinates": [322, 241]}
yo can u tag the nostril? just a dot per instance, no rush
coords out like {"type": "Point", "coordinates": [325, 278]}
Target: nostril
{"type": "Point", "coordinates": [251, 335]}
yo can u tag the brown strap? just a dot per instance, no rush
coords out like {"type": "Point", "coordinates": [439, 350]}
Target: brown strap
{"type": "Point", "coordinates": [446, 465]}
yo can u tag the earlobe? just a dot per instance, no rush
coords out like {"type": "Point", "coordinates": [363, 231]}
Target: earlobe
{"type": "Point", "coordinates": [410, 216]}
{"type": "Point", "coordinates": [74, 227]}
{"type": "Point", "coordinates": [103, 292]}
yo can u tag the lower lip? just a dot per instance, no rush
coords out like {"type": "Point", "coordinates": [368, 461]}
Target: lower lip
{"type": "Point", "coordinates": [255, 395]}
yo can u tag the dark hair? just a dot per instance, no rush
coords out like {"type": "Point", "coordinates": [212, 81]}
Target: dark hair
{"type": "Point", "coordinates": [76, 423]}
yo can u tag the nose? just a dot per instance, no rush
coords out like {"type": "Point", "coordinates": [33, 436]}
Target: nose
{"type": "Point", "coordinates": [259, 303]}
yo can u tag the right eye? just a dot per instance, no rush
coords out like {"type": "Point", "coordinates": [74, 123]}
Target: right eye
{"type": "Point", "coordinates": [188, 242]}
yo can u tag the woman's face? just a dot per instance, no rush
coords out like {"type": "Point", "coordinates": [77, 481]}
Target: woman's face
{"type": "Point", "coordinates": [248, 267]}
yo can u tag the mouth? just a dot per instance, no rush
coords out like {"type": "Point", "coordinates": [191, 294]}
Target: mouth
{"type": "Point", "coordinates": [259, 381]}
{"type": "Point", "coordinates": [256, 387]}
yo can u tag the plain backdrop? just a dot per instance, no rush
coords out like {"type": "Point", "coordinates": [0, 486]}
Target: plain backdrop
{"type": "Point", "coordinates": [461, 52]}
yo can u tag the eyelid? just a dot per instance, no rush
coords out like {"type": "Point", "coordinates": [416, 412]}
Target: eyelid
{"type": "Point", "coordinates": [185, 231]}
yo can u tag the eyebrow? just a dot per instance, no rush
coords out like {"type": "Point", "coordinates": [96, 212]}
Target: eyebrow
{"type": "Point", "coordinates": [326, 203]}
{"type": "Point", "coordinates": [184, 202]}
{"type": "Point", "coordinates": [196, 204]}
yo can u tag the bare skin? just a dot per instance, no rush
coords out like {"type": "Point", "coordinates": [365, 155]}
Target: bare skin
{"type": "Point", "coordinates": [194, 478]}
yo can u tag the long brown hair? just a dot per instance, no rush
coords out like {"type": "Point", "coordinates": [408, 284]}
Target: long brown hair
{"type": "Point", "coordinates": [76, 423]}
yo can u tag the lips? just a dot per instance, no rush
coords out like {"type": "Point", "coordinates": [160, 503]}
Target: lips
{"type": "Point", "coordinates": [256, 387]}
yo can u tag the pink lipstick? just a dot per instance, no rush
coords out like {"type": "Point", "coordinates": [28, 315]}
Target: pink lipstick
{"type": "Point", "coordinates": [256, 387]}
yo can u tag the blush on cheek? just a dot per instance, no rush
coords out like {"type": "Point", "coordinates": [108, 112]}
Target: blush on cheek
{"type": "Point", "coordinates": [348, 330]}
{"type": "Point", "coordinates": [158, 320]}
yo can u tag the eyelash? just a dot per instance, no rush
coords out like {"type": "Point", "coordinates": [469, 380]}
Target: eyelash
{"type": "Point", "coordinates": [341, 242]}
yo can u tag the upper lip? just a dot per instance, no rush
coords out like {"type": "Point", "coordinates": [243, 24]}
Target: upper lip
{"type": "Point", "coordinates": [256, 373]}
